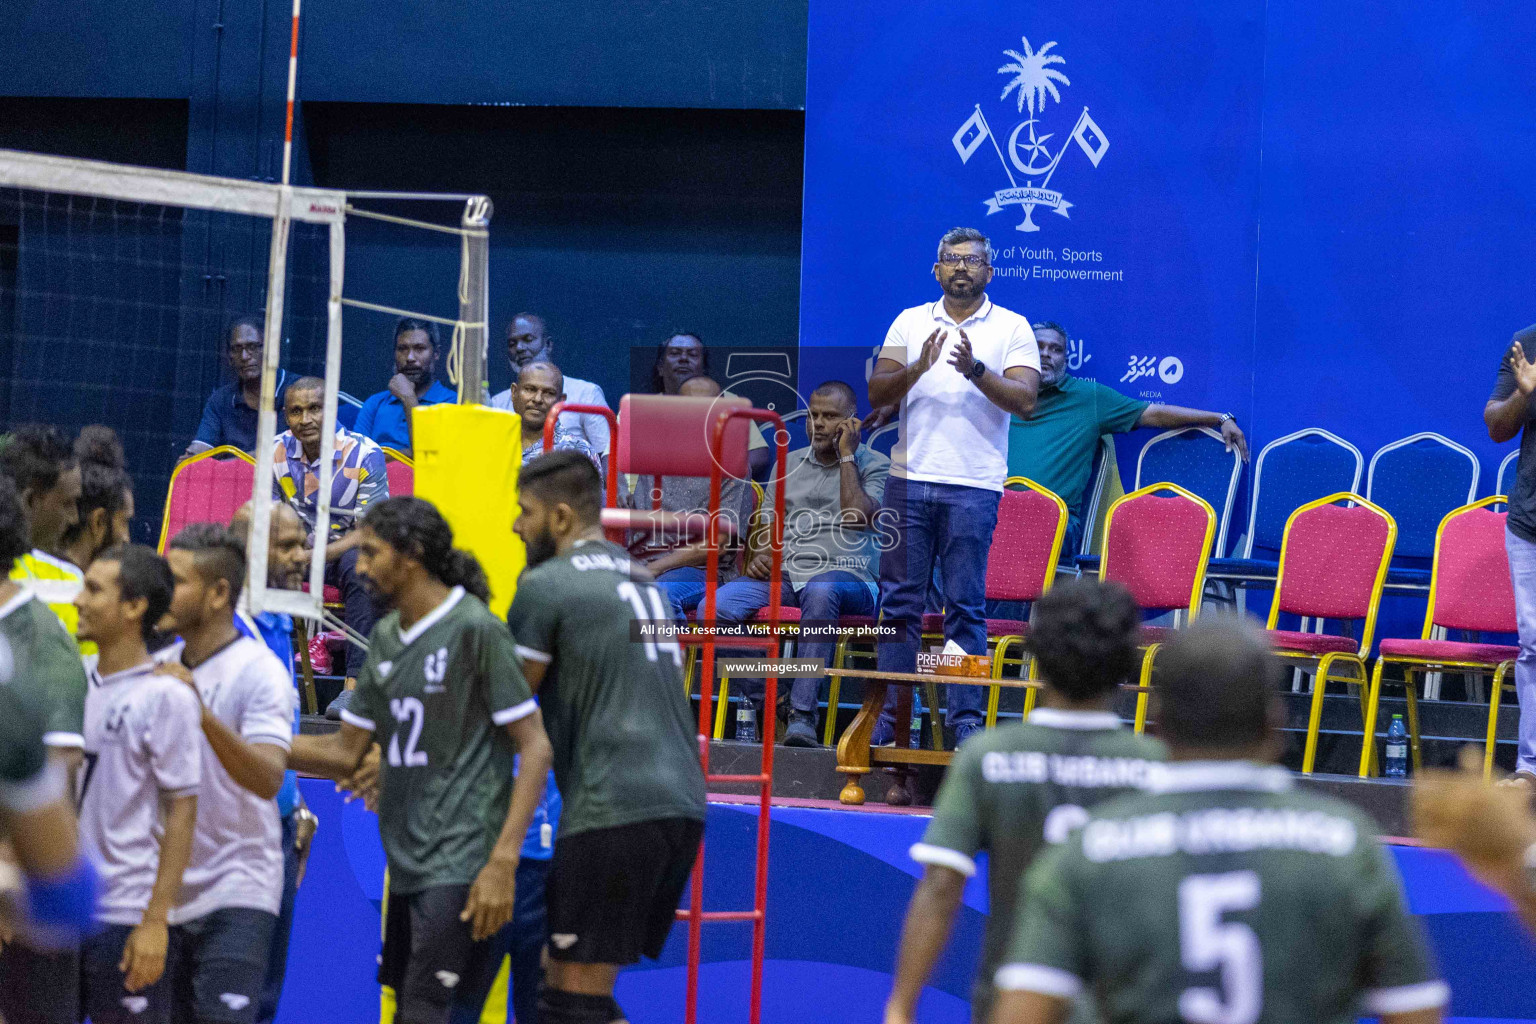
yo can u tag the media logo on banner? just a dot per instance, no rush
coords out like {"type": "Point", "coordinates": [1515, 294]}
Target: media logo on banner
{"type": "Point", "coordinates": [1033, 80]}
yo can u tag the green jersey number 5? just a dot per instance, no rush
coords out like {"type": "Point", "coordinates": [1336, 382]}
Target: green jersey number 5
{"type": "Point", "coordinates": [1207, 943]}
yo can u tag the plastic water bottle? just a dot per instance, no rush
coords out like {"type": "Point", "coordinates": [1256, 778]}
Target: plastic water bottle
{"type": "Point", "coordinates": [746, 722]}
{"type": "Point", "coordinates": [1397, 749]}
{"type": "Point", "coordinates": [916, 740]}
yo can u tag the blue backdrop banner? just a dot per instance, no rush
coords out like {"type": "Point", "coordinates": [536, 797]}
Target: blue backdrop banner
{"type": "Point", "coordinates": [1110, 152]}
{"type": "Point", "coordinates": [1305, 214]}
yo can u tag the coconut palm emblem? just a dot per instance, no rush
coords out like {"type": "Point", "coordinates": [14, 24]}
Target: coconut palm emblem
{"type": "Point", "coordinates": [1034, 75]}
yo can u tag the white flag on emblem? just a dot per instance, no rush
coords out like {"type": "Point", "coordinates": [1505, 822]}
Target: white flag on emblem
{"type": "Point", "coordinates": [1092, 138]}
{"type": "Point", "coordinates": [970, 136]}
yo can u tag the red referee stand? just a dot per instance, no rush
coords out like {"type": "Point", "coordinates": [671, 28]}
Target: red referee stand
{"type": "Point", "coordinates": [662, 435]}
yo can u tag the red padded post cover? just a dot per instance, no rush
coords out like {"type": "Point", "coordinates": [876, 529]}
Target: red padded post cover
{"type": "Point", "coordinates": [665, 435]}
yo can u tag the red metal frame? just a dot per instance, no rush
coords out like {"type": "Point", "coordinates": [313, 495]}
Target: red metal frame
{"type": "Point", "coordinates": [553, 419]}
{"type": "Point", "coordinates": [696, 915]}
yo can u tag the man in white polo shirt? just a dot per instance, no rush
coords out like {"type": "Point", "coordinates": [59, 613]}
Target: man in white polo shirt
{"type": "Point", "coordinates": [960, 367]}
{"type": "Point", "coordinates": [528, 342]}
{"type": "Point", "coordinates": [232, 888]}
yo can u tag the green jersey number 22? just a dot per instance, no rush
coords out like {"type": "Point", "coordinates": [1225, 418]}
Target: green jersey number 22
{"type": "Point", "coordinates": [407, 710]}
{"type": "Point", "coordinates": [631, 593]}
{"type": "Point", "coordinates": [1208, 943]}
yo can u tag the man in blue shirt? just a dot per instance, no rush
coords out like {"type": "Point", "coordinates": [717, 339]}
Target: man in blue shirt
{"type": "Point", "coordinates": [287, 559]}
{"type": "Point", "coordinates": [386, 416]}
{"type": "Point", "coordinates": [229, 415]}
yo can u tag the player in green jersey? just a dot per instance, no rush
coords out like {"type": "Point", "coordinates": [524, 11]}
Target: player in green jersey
{"type": "Point", "coordinates": [47, 662]}
{"type": "Point", "coordinates": [1220, 895]}
{"type": "Point", "coordinates": [39, 986]}
{"type": "Point", "coordinates": [626, 752]}
{"type": "Point", "coordinates": [1014, 790]}
{"type": "Point", "coordinates": [443, 694]}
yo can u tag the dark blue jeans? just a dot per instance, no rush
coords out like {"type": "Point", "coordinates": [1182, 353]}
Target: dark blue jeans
{"type": "Point", "coordinates": [952, 526]}
{"type": "Point", "coordinates": [683, 587]}
{"type": "Point", "coordinates": [277, 957]}
{"type": "Point", "coordinates": [825, 598]}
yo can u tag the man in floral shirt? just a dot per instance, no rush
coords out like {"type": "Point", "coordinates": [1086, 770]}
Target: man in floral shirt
{"type": "Point", "coordinates": [361, 481]}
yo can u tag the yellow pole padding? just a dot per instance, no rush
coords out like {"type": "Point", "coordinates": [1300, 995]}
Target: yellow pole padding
{"type": "Point", "coordinates": [467, 459]}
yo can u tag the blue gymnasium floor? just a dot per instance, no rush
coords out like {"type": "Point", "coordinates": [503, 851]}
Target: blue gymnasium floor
{"type": "Point", "coordinates": [838, 889]}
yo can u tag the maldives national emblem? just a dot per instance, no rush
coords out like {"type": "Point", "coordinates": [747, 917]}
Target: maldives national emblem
{"type": "Point", "coordinates": [1033, 78]}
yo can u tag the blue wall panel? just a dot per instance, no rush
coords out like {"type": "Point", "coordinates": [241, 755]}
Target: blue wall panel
{"type": "Point", "coordinates": [1397, 197]}
{"type": "Point", "coordinates": [96, 48]}
{"type": "Point", "coordinates": [626, 53]}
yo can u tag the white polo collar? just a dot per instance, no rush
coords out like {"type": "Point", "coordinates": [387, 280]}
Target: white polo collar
{"type": "Point", "coordinates": [427, 621]}
{"type": "Point", "coordinates": [1207, 776]}
{"type": "Point", "coordinates": [1059, 718]}
{"type": "Point", "coordinates": [981, 313]}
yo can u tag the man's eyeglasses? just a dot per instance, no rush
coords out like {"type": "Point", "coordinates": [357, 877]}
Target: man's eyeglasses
{"type": "Point", "coordinates": [954, 259]}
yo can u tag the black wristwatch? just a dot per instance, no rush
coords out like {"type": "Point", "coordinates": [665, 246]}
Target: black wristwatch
{"type": "Point", "coordinates": [978, 370]}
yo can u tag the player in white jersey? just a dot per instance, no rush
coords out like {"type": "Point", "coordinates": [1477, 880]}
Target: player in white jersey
{"type": "Point", "coordinates": [138, 788]}
{"type": "Point", "coordinates": [232, 888]}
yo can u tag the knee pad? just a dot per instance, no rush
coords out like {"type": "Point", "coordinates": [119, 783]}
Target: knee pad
{"type": "Point", "coordinates": [557, 1006]}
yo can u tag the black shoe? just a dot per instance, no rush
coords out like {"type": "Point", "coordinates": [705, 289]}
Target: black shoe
{"type": "Point", "coordinates": [802, 730]}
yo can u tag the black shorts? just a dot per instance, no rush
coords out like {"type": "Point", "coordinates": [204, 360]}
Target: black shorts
{"type": "Point", "coordinates": [38, 987]}
{"type": "Point", "coordinates": [102, 995]}
{"type": "Point", "coordinates": [218, 964]}
{"type": "Point", "coordinates": [613, 892]}
{"type": "Point", "coordinates": [428, 952]}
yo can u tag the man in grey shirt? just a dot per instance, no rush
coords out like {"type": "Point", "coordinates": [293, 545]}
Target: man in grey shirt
{"type": "Point", "coordinates": [832, 497]}
{"type": "Point", "coordinates": [1510, 412]}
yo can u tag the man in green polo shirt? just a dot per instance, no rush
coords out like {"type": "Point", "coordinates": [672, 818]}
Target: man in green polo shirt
{"type": "Point", "coordinates": [1055, 446]}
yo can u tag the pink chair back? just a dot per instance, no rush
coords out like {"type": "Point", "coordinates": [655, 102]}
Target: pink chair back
{"type": "Point", "coordinates": [1157, 546]}
{"type": "Point", "coordinates": [402, 477]}
{"type": "Point", "coordinates": [1026, 543]}
{"type": "Point", "coordinates": [664, 435]}
{"type": "Point", "coordinates": [207, 488]}
{"type": "Point", "coordinates": [1471, 588]}
{"type": "Point", "coordinates": [1333, 560]}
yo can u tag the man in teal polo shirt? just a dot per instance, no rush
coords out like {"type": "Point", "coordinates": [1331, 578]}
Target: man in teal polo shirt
{"type": "Point", "coordinates": [1055, 446]}
{"type": "Point", "coordinates": [385, 417]}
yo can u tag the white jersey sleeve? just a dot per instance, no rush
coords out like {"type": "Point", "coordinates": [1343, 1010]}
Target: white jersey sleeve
{"type": "Point", "coordinates": [268, 715]}
{"type": "Point", "coordinates": [174, 722]}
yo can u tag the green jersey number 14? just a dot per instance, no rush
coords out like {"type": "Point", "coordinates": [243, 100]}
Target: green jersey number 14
{"type": "Point", "coordinates": [1207, 943]}
{"type": "Point", "coordinates": [631, 593]}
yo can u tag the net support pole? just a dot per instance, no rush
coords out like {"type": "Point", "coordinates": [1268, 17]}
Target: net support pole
{"type": "Point", "coordinates": [266, 416]}
{"type": "Point", "coordinates": [328, 424]}
{"type": "Point", "coordinates": [474, 300]}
